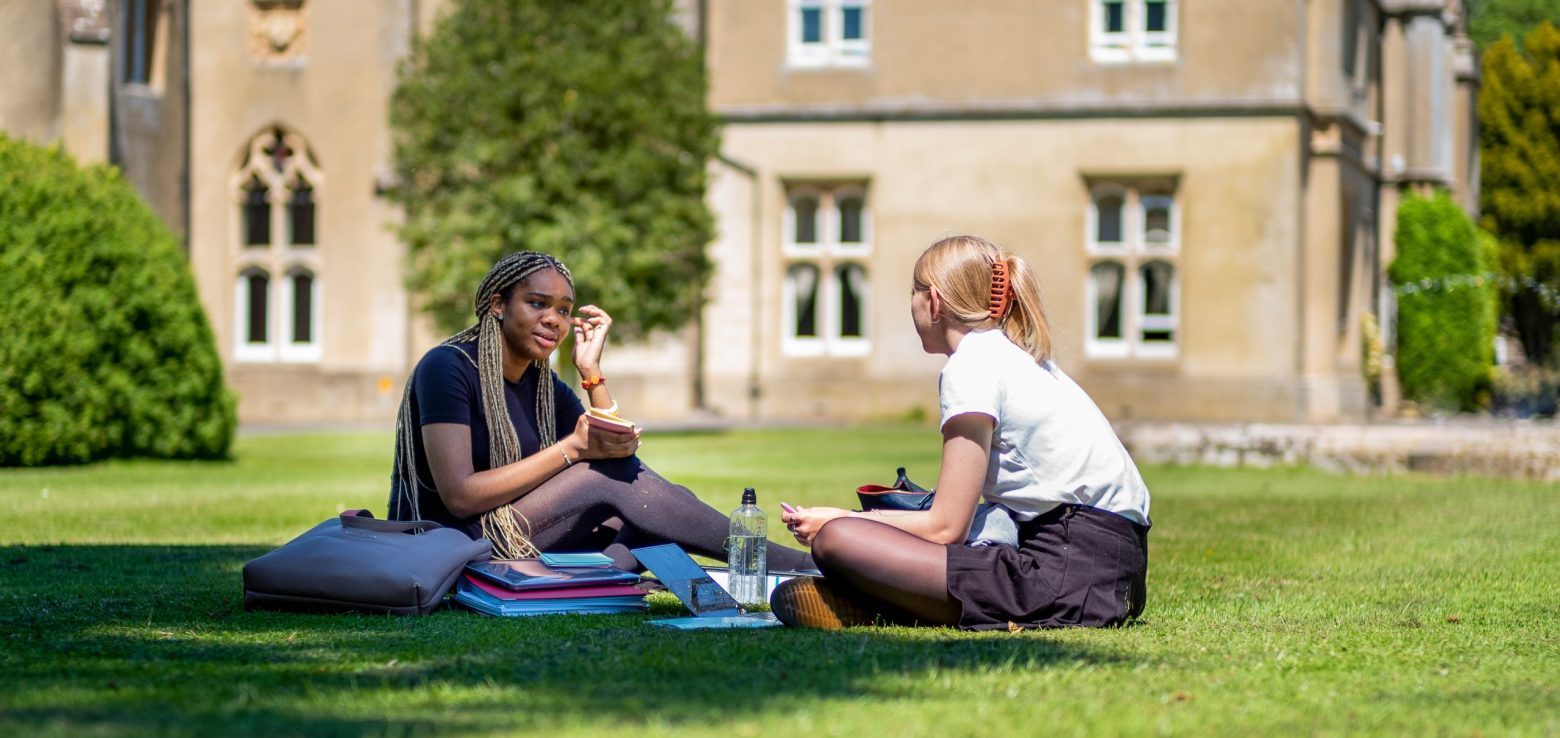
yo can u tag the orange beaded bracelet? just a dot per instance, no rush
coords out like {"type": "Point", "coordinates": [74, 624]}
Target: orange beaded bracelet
{"type": "Point", "coordinates": [593, 382]}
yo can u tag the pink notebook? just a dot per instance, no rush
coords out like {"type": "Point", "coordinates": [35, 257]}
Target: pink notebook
{"type": "Point", "coordinates": [561, 593]}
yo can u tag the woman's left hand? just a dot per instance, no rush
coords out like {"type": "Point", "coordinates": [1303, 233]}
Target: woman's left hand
{"type": "Point", "coordinates": [590, 337]}
{"type": "Point", "coordinates": [806, 521]}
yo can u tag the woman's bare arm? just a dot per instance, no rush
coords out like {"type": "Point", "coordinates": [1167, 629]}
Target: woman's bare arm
{"type": "Point", "coordinates": [966, 451]}
{"type": "Point", "coordinates": [466, 492]}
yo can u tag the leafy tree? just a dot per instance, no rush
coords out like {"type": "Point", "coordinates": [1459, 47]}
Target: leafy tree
{"type": "Point", "coordinates": [1489, 20]}
{"type": "Point", "coordinates": [104, 348]}
{"type": "Point", "coordinates": [1446, 304]}
{"type": "Point", "coordinates": [1519, 197]}
{"type": "Point", "coordinates": [574, 127]}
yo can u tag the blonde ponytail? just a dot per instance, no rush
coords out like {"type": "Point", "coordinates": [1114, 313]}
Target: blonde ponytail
{"type": "Point", "coordinates": [962, 270]}
{"type": "Point", "coordinates": [1026, 324]}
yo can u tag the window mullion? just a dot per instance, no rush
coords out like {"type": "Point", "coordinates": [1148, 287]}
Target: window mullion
{"type": "Point", "coordinates": [276, 197]}
{"type": "Point", "coordinates": [828, 210]}
{"type": "Point", "coordinates": [1132, 213]}
{"type": "Point", "coordinates": [829, 223]}
{"type": "Point", "coordinates": [828, 297]}
{"type": "Point", "coordinates": [833, 28]}
{"type": "Point", "coordinates": [1091, 302]}
{"type": "Point", "coordinates": [787, 301]}
{"type": "Point", "coordinates": [1135, 17]}
{"type": "Point", "coordinates": [316, 343]}
{"type": "Point", "coordinates": [1132, 305]}
{"type": "Point", "coordinates": [278, 294]}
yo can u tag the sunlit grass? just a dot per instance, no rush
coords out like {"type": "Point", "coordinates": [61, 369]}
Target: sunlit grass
{"type": "Point", "coordinates": [1280, 602]}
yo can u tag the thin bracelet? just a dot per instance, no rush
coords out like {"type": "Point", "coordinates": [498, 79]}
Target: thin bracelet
{"type": "Point", "coordinates": [593, 382]}
{"type": "Point", "coordinates": [566, 461]}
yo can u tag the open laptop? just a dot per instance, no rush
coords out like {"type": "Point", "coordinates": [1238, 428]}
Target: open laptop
{"type": "Point", "coordinates": [711, 604]}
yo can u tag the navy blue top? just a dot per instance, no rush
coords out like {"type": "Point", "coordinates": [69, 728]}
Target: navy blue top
{"type": "Point", "coordinates": [445, 390]}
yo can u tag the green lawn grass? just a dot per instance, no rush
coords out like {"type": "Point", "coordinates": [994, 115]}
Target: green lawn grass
{"type": "Point", "coordinates": [1280, 602]}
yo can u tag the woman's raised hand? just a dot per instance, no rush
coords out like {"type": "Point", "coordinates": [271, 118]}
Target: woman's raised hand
{"type": "Point", "coordinates": [805, 522]}
{"type": "Point", "coordinates": [590, 442]}
{"type": "Point", "coordinates": [590, 337]}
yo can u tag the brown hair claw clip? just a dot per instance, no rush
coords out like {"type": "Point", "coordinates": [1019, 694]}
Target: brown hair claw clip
{"type": "Point", "coordinates": [1001, 290]}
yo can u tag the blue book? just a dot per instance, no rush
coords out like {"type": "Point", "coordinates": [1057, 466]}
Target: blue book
{"type": "Point", "coordinates": [568, 560]}
{"type": "Point", "coordinates": [533, 574]}
{"type": "Point", "coordinates": [475, 598]}
{"type": "Point", "coordinates": [746, 620]}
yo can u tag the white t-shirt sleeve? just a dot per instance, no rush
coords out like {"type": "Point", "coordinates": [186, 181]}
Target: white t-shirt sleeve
{"type": "Point", "coordinates": [969, 387]}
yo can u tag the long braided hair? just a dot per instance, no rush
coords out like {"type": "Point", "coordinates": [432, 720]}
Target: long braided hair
{"type": "Point", "coordinates": [504, 526]}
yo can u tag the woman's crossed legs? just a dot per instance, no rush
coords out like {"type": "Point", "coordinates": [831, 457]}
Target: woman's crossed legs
{"type": "Point", "coordinates": [893, 574]}
{"type": "Point", "coordinates": [619, 504]}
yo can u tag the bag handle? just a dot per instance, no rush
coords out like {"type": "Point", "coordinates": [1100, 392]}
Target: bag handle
{"type": "Point", "coordinates": [365, 520]}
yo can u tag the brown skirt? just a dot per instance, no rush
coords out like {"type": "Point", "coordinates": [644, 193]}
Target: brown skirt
{"type": "Point", "coordinates": [1075, 566]}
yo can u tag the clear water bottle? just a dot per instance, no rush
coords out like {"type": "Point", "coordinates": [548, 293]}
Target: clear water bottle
{"type": "Point", "coordinates": [748, 551]}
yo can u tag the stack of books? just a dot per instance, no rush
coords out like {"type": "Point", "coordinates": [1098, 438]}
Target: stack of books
{"type": "Point", "coordinates": [555, 584]}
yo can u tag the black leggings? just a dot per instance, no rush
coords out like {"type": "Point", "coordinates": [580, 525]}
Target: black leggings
{"type": "Point", "coordinates": [614, 505]}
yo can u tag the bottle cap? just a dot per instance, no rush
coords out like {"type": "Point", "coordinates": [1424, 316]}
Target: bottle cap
{"type": "Point", "coordinates": [749, 497]}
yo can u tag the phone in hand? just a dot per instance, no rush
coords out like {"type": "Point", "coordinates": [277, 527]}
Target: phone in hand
{"type": "Point", "coordinates": [607, 421]}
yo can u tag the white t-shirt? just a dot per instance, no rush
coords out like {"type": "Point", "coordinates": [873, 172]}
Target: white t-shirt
{"type": "Point", "coordinates": [1051, 444]}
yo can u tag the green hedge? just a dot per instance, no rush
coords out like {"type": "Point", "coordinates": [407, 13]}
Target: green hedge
{"type": "Point", "coordinates": [1447, 301]}
{"type": "Point", "coordinates": [104, 348]}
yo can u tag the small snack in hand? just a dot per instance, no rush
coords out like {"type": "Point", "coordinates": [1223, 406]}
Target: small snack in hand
{"type": "Point", "coordinates": [608, 421]}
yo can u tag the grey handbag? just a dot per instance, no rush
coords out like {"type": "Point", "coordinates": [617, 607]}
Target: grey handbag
{"type": "Point", "coordinates": [356, 563]}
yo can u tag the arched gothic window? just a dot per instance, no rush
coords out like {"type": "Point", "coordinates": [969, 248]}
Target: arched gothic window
{"type": "Point", "coordinates": [276, 194]}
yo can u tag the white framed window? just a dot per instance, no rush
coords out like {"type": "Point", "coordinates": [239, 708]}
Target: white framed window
{"type": "Point", "coordinates": [848, 325]}
{"type": "Point", "coordinates": [1132, 292]}
{"type": "Point", "coordinates": [1107, 219]}
{"type": "Point", "coordinates": [826, 291]}
{"type": "Point", "coordinates": [1160, 232]}
{"type": "Point", "coordinates": [1132, 30]}
{"type": "Point", "coordinates": [822, 33]}
{"type": "Point", "coordinates": [277, 295]}
{"type": "Point", "coordinates": [1108, 30]}
{"type": "Point", "coordinates": [1106, 334]}
{"type": "Point", "coordinates": [252, 309]}
{"type": "Point", "coordinates": [805, 221]}
{"type": "Point", "coordinates": [800, 312]}
{"type": "Point", "coordinates": [1157, 310]}
{"type": "Point", "coordinates": [300, 311]}
{"type": "Point", "coordinates": [850, 222]}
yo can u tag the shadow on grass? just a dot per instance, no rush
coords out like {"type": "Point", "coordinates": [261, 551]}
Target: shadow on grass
{"type": "Point", "coordinates": [153, 640]}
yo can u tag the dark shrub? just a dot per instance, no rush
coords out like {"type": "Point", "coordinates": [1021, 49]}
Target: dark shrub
{"type": "Point", "coordinates": [105, 350]}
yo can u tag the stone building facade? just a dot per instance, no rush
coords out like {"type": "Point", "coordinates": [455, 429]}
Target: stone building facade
{"type": "Point", "coordinates": [1208, 187]}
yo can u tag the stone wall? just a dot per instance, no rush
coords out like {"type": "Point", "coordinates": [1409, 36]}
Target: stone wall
{"type": "Point", "coordinates": [1510, 450]}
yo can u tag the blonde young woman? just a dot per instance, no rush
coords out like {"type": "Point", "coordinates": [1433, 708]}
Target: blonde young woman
{"type": "Point", "coordinates": [1017, 432]}
{"type": "Point", "coordinates": [492, 442]}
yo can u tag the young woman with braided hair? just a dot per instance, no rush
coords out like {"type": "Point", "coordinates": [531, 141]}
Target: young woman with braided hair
{"type": "Point", "coordinates": [491, 441]}
{"type": "Point", "coordinates": [1020, 434]}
